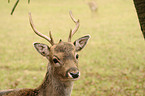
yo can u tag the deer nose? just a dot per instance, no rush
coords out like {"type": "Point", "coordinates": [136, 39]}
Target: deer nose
{"type": "Point", "coordinates": [74, 75]}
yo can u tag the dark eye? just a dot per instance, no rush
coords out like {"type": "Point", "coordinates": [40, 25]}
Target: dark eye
{"type": "Point", "coordinates": [77, 56]}
{"type": "Point", "coordinates": [55, 61]}
{"type": "Point", "coordinates": [43, 53]}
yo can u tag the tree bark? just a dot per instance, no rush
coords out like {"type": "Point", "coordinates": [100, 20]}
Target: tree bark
{"type": "Point", "coordinates": [140, 8]}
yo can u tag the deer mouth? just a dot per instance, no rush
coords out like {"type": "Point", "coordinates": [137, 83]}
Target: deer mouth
{"type": "Point", "coordinates": [69, 79]}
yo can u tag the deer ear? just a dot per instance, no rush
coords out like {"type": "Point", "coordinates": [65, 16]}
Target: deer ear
{"type": "Point", "coordinates": [81, 42]}
{"type": "Point", "coordinates": [42, 49]}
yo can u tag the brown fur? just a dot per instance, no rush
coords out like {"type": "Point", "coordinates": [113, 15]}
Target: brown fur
{"type": "Point", "coordinates": [62, 68]}
{"type": "Point", "coordinates": [58, 80]}
{"type": "Point", "coordinates": [24, 92]}
{"type": "Point", "coordinates": [55, 83]}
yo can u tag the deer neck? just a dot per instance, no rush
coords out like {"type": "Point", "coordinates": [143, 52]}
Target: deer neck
{"type": "Point", "coordinates": [51, 86]}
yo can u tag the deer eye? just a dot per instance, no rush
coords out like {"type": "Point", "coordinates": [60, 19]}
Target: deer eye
{"type": "Point", "coordinates": [55, 60]}
{"type": "Point", "coordinates": [77, 56]}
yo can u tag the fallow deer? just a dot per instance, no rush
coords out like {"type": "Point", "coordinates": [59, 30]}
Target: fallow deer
{"type": "Point", "coordinates": [93, 6]}
{"type": "Point", "coordinates": [62, 68]}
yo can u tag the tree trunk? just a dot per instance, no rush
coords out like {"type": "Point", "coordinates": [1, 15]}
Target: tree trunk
{"type": "Point", "coordinates": [140, 8]}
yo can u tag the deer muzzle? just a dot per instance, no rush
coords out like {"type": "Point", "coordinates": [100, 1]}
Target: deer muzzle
{"type": "Point", "coordinates": [73, 73]}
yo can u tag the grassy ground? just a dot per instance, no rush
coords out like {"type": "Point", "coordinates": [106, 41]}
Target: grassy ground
{"type": "Point", "coordinates": [112, 64]}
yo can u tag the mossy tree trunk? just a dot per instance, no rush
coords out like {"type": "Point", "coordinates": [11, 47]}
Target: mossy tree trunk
{"type": "Point", "coordinates": [140, 8]}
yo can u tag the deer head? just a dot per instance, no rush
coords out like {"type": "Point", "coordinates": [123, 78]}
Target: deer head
{"type": "Point", "coordinates": [63, 56]}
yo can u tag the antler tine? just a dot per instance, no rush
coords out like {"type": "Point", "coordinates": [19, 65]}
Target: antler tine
{"type": "Point", "coordinates": [70, 35]}
{"type": "Point", "coordinates": [72, 32]}
{"type": "Point", "coordinates": [50, 40]}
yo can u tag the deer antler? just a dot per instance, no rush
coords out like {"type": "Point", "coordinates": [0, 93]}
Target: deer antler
{"type": "Point", "coordinates": [50, 40]}
{"type": "Point", "coordinates": [72, 32]}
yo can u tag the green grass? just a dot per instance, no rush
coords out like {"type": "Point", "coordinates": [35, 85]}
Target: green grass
{"type": "Point", "coordinates": [112, 64]}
